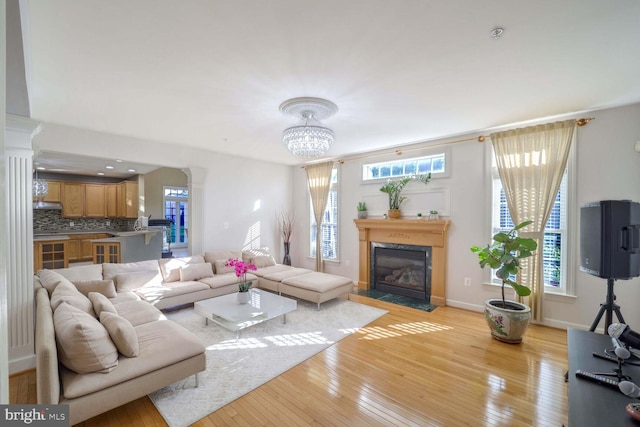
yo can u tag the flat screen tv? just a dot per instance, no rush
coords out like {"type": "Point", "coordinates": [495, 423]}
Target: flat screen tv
{"type": "Point", "coordinates": [610, 239]}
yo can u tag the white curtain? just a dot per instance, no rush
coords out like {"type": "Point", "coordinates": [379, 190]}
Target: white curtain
{"type": "Point", "coordinates": [319, 180]}
{"type": "Point", "coordinates": [531, 162]}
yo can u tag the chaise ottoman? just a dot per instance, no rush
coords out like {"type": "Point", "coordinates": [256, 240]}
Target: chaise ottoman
{"type": "Point", "coordinates": [316, 287]}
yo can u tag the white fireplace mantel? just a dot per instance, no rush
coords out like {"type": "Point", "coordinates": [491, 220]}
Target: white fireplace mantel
{"type": "Point", "coordinates": [406, 232]}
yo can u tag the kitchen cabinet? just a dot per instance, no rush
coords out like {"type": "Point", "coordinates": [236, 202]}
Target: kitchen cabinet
{"type": "Point", "coordinates": [73, 200]}
{"type": "Point", "coordinates": [95, 200]}
{"type": "Point", "coordinates": [49, 254]}
{"type": "Point", "coordinates": [73, 250]}
{"type": "Point", "coordinates": [111, 200]}
{"type": "Point", "coordinates": [80, 248]}
{"type": "Point", "coordinates": [54, 192]}
{"type": "Point", "coordinates": [127, 199]}
{"type": "Point", "coordinates": [106, 252]}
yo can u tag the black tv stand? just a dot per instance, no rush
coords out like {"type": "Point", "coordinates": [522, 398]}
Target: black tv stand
{"type": "Point", "coordinates": [608, 307]}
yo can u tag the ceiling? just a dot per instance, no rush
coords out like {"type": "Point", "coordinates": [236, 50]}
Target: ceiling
{"type": "Point", "coordinates": [212, 73]}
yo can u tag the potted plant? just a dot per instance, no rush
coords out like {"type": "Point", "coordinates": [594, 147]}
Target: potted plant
{"type": "Point", "coordinates": [241, 268]}
{"type": "Point", "coordinates": [362, 210]}
{"type": "Point", "coordinates": [394, 190]}
{"type": "Point", "coordinates": [508, 320]}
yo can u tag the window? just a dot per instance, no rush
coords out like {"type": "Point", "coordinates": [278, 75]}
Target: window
{"type": "Point", "coordinates": [434, 164]}
{"type": "Point", "coordinates": [555, 245]}
{"type": "Point", "coordinates": [176, 201]}
{"type": "Point", "coordinates": [329, 232]}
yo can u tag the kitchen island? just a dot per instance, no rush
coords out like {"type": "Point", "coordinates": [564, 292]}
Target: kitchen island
{"type": "Point", "coordinates": [128, 246]}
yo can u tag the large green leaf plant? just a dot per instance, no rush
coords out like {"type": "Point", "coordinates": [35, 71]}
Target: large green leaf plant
{"type": "Point", "coordinates": [394, 188]}
{"type": "Point", "coordinates": [504, 255]}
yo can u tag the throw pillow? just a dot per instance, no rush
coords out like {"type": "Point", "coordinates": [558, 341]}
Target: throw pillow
{"type": "Point", "coordinates": [131, 281]}
{"type": "Point", "coordinates": [263, 261]}
{"type": "Point", "coordinates": [50, 279]}
{"type": "Point", "coordinates": [195, 271]}
{"type": "Point", "coordinates": [170, 267]}
{"type": "Point", "coordinates": [66, 292]}
{"type": "Point", "coordinates": [122, 333]}
{"type": "Point", "coordinates": [84, 345]}
{"type": "Point", "coordinates": [101, 304]}
{"type": "Point", "coordinates": [105, 287]}
{"type": "Point", "coordinates": [221, 268]}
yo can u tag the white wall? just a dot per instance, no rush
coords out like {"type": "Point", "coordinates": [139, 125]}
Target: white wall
{"type": "Point", "coordinates": [607, 169]}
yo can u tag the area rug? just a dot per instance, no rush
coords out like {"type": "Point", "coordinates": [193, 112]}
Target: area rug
{"type": "Point", "coordinates": [397, 299]}
{"type": "Point", "coordinates": [261, 353]}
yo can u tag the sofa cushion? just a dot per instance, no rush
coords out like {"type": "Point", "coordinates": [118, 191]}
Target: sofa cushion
{"type": "Point", "coordinates": [66, 292]}
{"type": "Point", "coordinates": [220, 280]}
{"type": "Point", "coordinates": [195, 271]}
{"type": "Point", "coordinates": [101, 303]}
{"type": "Point", "coordinates": [109, 270]}
{"type": "Point", "coordinates": [153, 294]}
{"type": "Point", "coordinates": [261, 272]}
{"type": "Point", "coordinates": [49, 279]}
{"type": "Point", "coordinates": [214, 256]}
{"type": "Point", "coordinates": [170, 267]}
{"type": "Point", "coordinates": [222, 268]}
{"type": "Point", "coordinates": [105, 287]}
{"type": "Point", "coordinates": [135, 280]}
{"type": "Point", "coordinates": [263, 261]}
{"type": "Point", "coordinates": [279, 276]}
{"type": "Point", "coordinates": [81, 272]}
{"type": "Point", "coordinates": [161, 344]}
{"type": "Point", "coordinates": [84, 344]}
{"type": "Point", "coordinates": [255, 252]}
{"type": "Point", "coordinates": [317, 282]}
{"type": "Point", "coordinates": [138, 312]}
{"type": "Point", "coordinates": [122, 333]}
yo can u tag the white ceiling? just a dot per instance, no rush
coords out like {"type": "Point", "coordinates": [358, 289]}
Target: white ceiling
{"type": "Point", "coordinates": [212, 73]}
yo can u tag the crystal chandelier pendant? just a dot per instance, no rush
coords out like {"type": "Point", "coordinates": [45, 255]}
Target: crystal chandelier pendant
{"type": "Point", "coordinates": [40, 187]}
{"type": "Point", "coordinates": [308, 138]}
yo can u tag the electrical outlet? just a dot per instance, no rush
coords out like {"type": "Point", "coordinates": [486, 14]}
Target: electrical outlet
{"type": "Point", "coordinates": [71, 224]}
{"type": "Point", "coordinates": [108, 223]}
{"type": "Point", "coordinates": [467, 281]}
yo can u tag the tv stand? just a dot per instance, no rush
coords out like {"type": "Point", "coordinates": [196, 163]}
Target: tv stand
{"type": "Point", "coordinates": [608, 307]}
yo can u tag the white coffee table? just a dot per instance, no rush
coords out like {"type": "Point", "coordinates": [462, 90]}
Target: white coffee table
{"type": "Point", "coordinates": [226, 312]}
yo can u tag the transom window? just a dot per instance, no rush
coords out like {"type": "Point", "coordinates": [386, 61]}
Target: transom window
{"type": "Point", "coordinates": [434, 164]}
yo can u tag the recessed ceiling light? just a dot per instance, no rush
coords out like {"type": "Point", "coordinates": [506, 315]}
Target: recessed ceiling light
{"type": "Point", "coordinates": [100, 173]}
{"type": "Point", "coordinates": [109, 167]}
{"type": "Point", "coordinates": [131, 170]}
{"type": "Point", "coordinates": [497, 32]}
{"type": "Point", "coordinates": [118, 161]}
{"type": "Point", "coordinates": [40, 168]}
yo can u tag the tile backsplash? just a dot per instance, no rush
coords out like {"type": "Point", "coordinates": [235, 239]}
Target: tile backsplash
{"type": "Point", "coordinates": [51, 220]}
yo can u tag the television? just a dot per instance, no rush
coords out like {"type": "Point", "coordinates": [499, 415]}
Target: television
{"type": "Point", "coordinates": [610, 239]}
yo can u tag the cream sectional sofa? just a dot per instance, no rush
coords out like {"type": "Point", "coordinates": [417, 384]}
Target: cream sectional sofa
{"type": "Point", "coordinates": [69, 373]}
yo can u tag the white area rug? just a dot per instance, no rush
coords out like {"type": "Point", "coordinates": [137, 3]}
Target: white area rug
{"type": "Point", "coordinates": [263, 352]}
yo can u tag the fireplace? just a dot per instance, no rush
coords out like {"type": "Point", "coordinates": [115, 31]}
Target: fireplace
{"type": "Point", "coordinates": [401, 269]}
{"type": "Point", "coordinates": [400, 234]}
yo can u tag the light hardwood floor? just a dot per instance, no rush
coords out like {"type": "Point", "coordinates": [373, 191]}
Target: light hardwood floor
{"type": "Point", "coordinates": [407, 368]}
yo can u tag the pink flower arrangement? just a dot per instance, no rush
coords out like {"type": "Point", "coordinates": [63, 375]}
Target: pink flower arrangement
{"type": "Point", "coordinates": [241, 271]}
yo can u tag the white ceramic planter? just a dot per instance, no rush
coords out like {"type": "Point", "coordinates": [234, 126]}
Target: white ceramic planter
{"type": "Point", "coordinates": [507, 324]}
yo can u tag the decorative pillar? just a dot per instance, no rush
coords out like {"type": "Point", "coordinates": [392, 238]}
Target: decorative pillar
{"type": "Point", "coordinates": [196, 177]}
{"type": "Point", "coordinates": [18, 241]}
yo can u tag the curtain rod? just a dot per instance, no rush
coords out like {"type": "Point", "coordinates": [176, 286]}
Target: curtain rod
{"type": "Point", "coordinates": [579, 122]}
{"type": "Point", "coordinates": [481, 138]}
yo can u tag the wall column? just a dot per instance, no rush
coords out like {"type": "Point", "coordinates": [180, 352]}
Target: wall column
{"type": "Point", "coordinates": [196, 177]}
{"type": "Point", "coordinates": [18, 233]}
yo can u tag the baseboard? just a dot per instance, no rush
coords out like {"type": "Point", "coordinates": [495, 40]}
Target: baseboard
{"type": "Point", "coordinates": [465, 305]}
{"type": "Point", "coordinates": [23, 364]}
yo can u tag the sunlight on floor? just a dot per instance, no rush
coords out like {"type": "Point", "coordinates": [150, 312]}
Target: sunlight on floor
{"type": "Point", "coordinates": [378, 332]}
{"type": "Point", "coordinates": [291, 340]}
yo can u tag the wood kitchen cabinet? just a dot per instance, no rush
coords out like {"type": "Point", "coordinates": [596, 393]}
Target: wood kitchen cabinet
{"type": "Point", "coordinates": [49, 254]}
{"type": "Point", "coordinates": [127, 199]}
{"type": "Point", "coordinates": [73, 250]}
{"type": "Point", "coordinates": [106, 252]}
{"type": "Point", "coordinates": [54, 193]}
{"type": "Point", "coordinates": [80, 248]}
{"type": "Point", "coordinates": [95, 200]}
{"type": "Point", "coordinates": [111, 200]}
{"type": "Point", "coordinates": [73, 196]}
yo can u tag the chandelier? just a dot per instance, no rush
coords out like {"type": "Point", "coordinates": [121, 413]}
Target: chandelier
{"type": "Point", "coordinates": [40, 187]}
{"type": "Point", "coordinates": [308, 137]}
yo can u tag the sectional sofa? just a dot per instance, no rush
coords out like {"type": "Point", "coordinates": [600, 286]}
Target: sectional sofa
{"type": "Point", "coordinates": [102, 339]}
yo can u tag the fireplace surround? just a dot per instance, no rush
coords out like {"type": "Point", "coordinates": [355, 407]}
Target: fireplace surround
{"type": "Point", "coordinates": [417, 232]}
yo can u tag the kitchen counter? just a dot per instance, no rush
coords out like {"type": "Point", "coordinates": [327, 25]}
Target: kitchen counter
{"type": "Point", "coordinates": [70, 232]}
{"type": "Point", "coordinates": [50, 237]}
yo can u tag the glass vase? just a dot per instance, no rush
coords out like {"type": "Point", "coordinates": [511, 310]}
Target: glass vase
{"type": "Point", "coordinates": [287, 257]}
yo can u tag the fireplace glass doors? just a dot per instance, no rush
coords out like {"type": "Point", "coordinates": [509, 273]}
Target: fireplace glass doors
{"type": "Point", "coordinates": [401, 269]}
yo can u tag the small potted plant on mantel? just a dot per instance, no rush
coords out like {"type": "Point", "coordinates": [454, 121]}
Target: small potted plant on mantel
{"type": "Point", "coordinates": [508, 320]}
{"type": "Point", "coordinates": [241, 268]}
{"type": "Point", "coordinates": [362, 210]}
{"type": "Point", "coordinates": [394, 189]}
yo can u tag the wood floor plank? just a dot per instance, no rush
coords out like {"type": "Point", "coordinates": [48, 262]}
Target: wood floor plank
{"type": "Point", "coordinates": [406, 368]}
